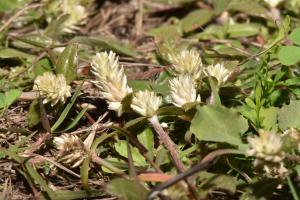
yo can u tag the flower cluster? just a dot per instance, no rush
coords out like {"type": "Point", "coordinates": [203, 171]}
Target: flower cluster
{"type": "Point", "coordinates": [146, 103]}
{"type": "Point", "coordinates": [268, 152]}
{"type": "Point", "coordinates": [71, 149]}
{"type": "Point", "coordinates": [183, 90]}
{"type": "Point", "coordinates": [52, 88]}
{"type": "Point", "coordinates": [74, 9]}
{"type": "Point", "coordinates": [111, 79]}
{"type": "Point", "coordinates": [219, 72]}
{"type": "Point", "coordinates": [77, 14]}
{"type": "Point", "coordinates": [187, 62]}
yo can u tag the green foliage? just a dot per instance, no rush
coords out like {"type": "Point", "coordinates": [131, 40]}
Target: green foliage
{"type": "Point", "coordinates": [67, 63]}
{"type": "Point", "coordinates": [218, 124]}
{"type": "Point", "coordinates": [126, 189]}
{"type": "Point", "coordinates": [289, 115]}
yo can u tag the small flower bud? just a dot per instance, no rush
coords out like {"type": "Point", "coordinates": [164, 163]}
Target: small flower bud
{"type": "Point", "coordinates": [219, 72]}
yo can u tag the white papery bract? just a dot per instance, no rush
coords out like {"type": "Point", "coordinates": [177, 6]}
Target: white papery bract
{"type": "Point", "coordinates": [145, 103]}
{"type": "Point", "coordinates": [52, 88]}
{"type": "Point", "coordinates": [219, 72]}
{"type": "Point", "coordinates": [187, 62]}
{"type": "Point", "coordinates": [183, 90]}
{"type": "Point", "coordinates": [268, 152]}
{"type": "Point", "coordinates": [71, 149]}
{"type": "Point", "coordinates": [110, 79]}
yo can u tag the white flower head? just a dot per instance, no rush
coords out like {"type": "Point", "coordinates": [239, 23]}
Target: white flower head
{"type": "Point", "coordinates": [145, 103]}
{"type": "Point", "coordinates": [111, 79]}
{"type": "Point", "coordinates": [183, 90]}
{"type": "Point", "coordinates": [268, 152]}
{"type": "Point", "coordinates": [77, 14]}
{"type": "Point", "coordinates": [71, 149]}
{"type": "Point", "coordinates": [273, 3]}
{"type": "Point", "coordinates": [219, 72]}
{"type": "Point", "coordinates": [52, 88]}
{"type": "Point", "coordinates": [187, 62]}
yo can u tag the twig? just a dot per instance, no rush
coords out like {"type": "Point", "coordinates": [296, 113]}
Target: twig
{"type": "Point", "coordinates": [139, 18]}
{"type": "Point", "coordinates": [20, 12]}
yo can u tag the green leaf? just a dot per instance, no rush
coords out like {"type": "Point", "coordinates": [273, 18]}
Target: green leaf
{"type": "Point", "coordinates": [67, 63]}
{"type": "Point", "coordinates": [289, 116]}
{"type": "Point", "coordinates": [218, 124]}
{"type": "Point", "coordinates": [13, 53]}
{"type": "Point", "coordinates": [289, 55]}
{"type": "Point", "coordinates": [243, 30]}
{"type": "Point", "coordinates": [210, 182]}
{"type": "Point", "coordinates": [11, 96]}
{"type": "Point", "coordinates": [166, 32]}
{"type": "Point", "coordinates": [67, 109]}
{"type": "Point", "coordinates": [196, 19]}
{"type": "Point", "coordinates": [84, 172]}
{"type": "Point", "coordinates": [121, 148]}
{"type": "Point", "coordinates": [6, 6]}
{"type": "Point", "coordinates": [42, 66]}
{"type": "Point", "coordinates": [2, 100]}
{"type": "Point", "coordinates": [78, 194]}
{"type": "Point", "coordinates": [76, 120]}
{"type": "Point", "coordinates": [248, 6]}
{"type": "Point", "coordinates": [147, 139]}
{"type": "Point", "coordinates": [268, 117]}
{"type": "Point", "coordinates": [295, 36]}
{"type": "Point", "coordinates": [106, 43]}
{"type": "Point", "coordinates": [40, 180]}
{"type": "Point", "coordinates": [126, 189]}
{"type": "Point", "coordinates": [34, 116]}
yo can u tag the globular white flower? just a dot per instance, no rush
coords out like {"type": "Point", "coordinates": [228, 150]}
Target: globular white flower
{"type": "Point", "coordinates": [183, 90]}
{"type": "Point", "coordinates": [146, 103]}
{"type": "Point", "coordinates": [71, 149]}
{"type": "Point", "coordinates": [273, 3]}
{"type": "Point", "coordinates": [187, 62]}
{"type": "Point", "coordinates": [77, 14]}
{"type": "Point", "coordinates": [219, 72]}
{"type": "Point", "coordinates": [111, 79]}
{"type": "Point", "coordinates": [268, 152]}
{"type": "Point", "coordinates": [52, 88]}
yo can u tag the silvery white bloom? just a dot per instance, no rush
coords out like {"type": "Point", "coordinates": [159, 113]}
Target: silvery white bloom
{"type": "Point", "coordinates": [219, 72]}
{"type": "Point", "coordinates": [273, 3]}
{"type": "Point", "coordinates": [145, 103]}
{"type": "Point", "coordinates": [268, 152]}
{"type": "Point", "coordinates": [71, 149]}
{"type": "Point", "coordinates": [111, 79]}
{"type": "Point", "coordinates": [52, 88]}
{"type": "Point", "coordinates": [77, 14]}
{"type": "Point", "coordinates": [187, 62]}
{"type": "Point", "coordinates": [183, 90]}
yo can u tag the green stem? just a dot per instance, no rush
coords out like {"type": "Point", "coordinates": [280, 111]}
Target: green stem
{"type": "Point", "coordinates": [292, 188]}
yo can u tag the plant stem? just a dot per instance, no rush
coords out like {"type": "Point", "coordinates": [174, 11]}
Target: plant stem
{"type": "Point", "coordinates": [167, 141]}
{"type": "Point", "coordinates": [292, 188]}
